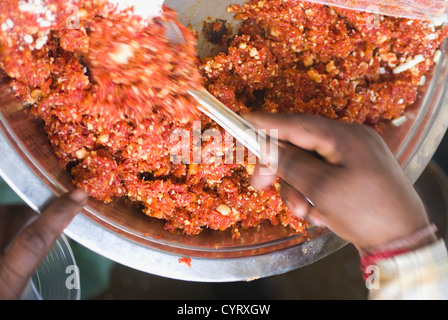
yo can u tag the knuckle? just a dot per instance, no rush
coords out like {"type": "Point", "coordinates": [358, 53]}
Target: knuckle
{"type": "Point", "coordinates": [366, 132]}
{"type": "Point", "coordinates": [318, 184]}
{"type": "Point", "coordinates": [335, 147]}
{"type": "Point", "coordinates": [355, 138]}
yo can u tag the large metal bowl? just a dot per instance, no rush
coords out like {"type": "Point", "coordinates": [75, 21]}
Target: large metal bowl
{"type": "Point", "coordinates": [123, 234]}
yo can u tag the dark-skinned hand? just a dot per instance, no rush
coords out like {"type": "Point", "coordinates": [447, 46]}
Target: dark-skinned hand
{"type": "Point", "coordinates": [354, 184]}
{"type": "Point", "coordinates": [26, 238]}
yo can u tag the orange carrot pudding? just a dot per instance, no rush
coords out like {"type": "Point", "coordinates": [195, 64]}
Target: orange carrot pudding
{"type": "Point", "coordinates": [111, 88]}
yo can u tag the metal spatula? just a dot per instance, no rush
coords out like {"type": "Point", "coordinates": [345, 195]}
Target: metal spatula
{"type": "Point", "coordinates": [235, 125]}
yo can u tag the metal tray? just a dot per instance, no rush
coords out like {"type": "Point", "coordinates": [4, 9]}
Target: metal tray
{"type": "Point", "coordinates": [125, 235]}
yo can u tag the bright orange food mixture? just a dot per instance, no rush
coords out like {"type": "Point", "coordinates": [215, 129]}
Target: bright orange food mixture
{"type": "Point", "coordinates": [107, 92]}
{"type": "Point", "coordinates": [294, 56]}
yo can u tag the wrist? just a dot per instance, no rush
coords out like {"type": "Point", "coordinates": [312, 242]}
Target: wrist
{"type": "Point", "coordinates": [417, 240]}
{"type": "Point", "coordinates": [421, 238]}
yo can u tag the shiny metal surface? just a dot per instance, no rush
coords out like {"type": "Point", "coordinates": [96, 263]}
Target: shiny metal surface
{"type": "Point", "coordinates": [123, 234]}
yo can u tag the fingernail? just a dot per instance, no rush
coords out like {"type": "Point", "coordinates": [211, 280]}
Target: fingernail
{"type": "Point", "coordinates": [300, 211]}
{"type": "Point", "coordinates": [79, 196]}
{"type": "Point", "coordinates": [316, 221]}
{"type": "Point", "coordinates": [260, 181]}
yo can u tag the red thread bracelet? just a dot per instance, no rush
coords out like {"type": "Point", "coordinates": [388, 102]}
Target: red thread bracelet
{"type": "Point", "coordinates": [395, 248]}
{"type": "Point", "coordinates": [372, 258]}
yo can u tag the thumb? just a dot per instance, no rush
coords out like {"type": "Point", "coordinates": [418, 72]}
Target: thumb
{"type": "Point", "coordinates": [35, 241]}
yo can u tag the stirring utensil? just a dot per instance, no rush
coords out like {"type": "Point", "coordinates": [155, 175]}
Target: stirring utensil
{"type": "Point", "coordinates": [234, 124]}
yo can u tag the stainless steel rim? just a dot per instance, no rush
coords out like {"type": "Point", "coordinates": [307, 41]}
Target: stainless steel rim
{"type": "Point", "coordinates": [37, 190]}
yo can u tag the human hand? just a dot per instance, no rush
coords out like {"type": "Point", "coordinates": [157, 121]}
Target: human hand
{"type": "Point", "coordinates": [357, 188]}
{"type": "Point", "coordinates": [26, 238]}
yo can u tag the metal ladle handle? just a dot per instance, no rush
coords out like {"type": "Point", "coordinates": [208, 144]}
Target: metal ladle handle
{"type": "Point", "coordinates": [235, 125]}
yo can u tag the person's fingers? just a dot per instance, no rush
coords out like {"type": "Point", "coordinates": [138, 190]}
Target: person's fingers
{"type": "Point", "coordinates": [262, 177]}
{"type": "Point", "coordinates": [294, 200]}
{"type": "Point", "coordinates": [299, 168]}
{"type": "Point", "coordinates": [308, 151]}
{"type": "Point", "coordinates": [13, 219]}
{"type": "Point", "coordinates": [35, 241]}
{"type": "Point", "coordinates": [317, 134]}
{"type": "Point", "coordinates": [300, 206]}
{"type": "Point", "coordinates": [316, 218]}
